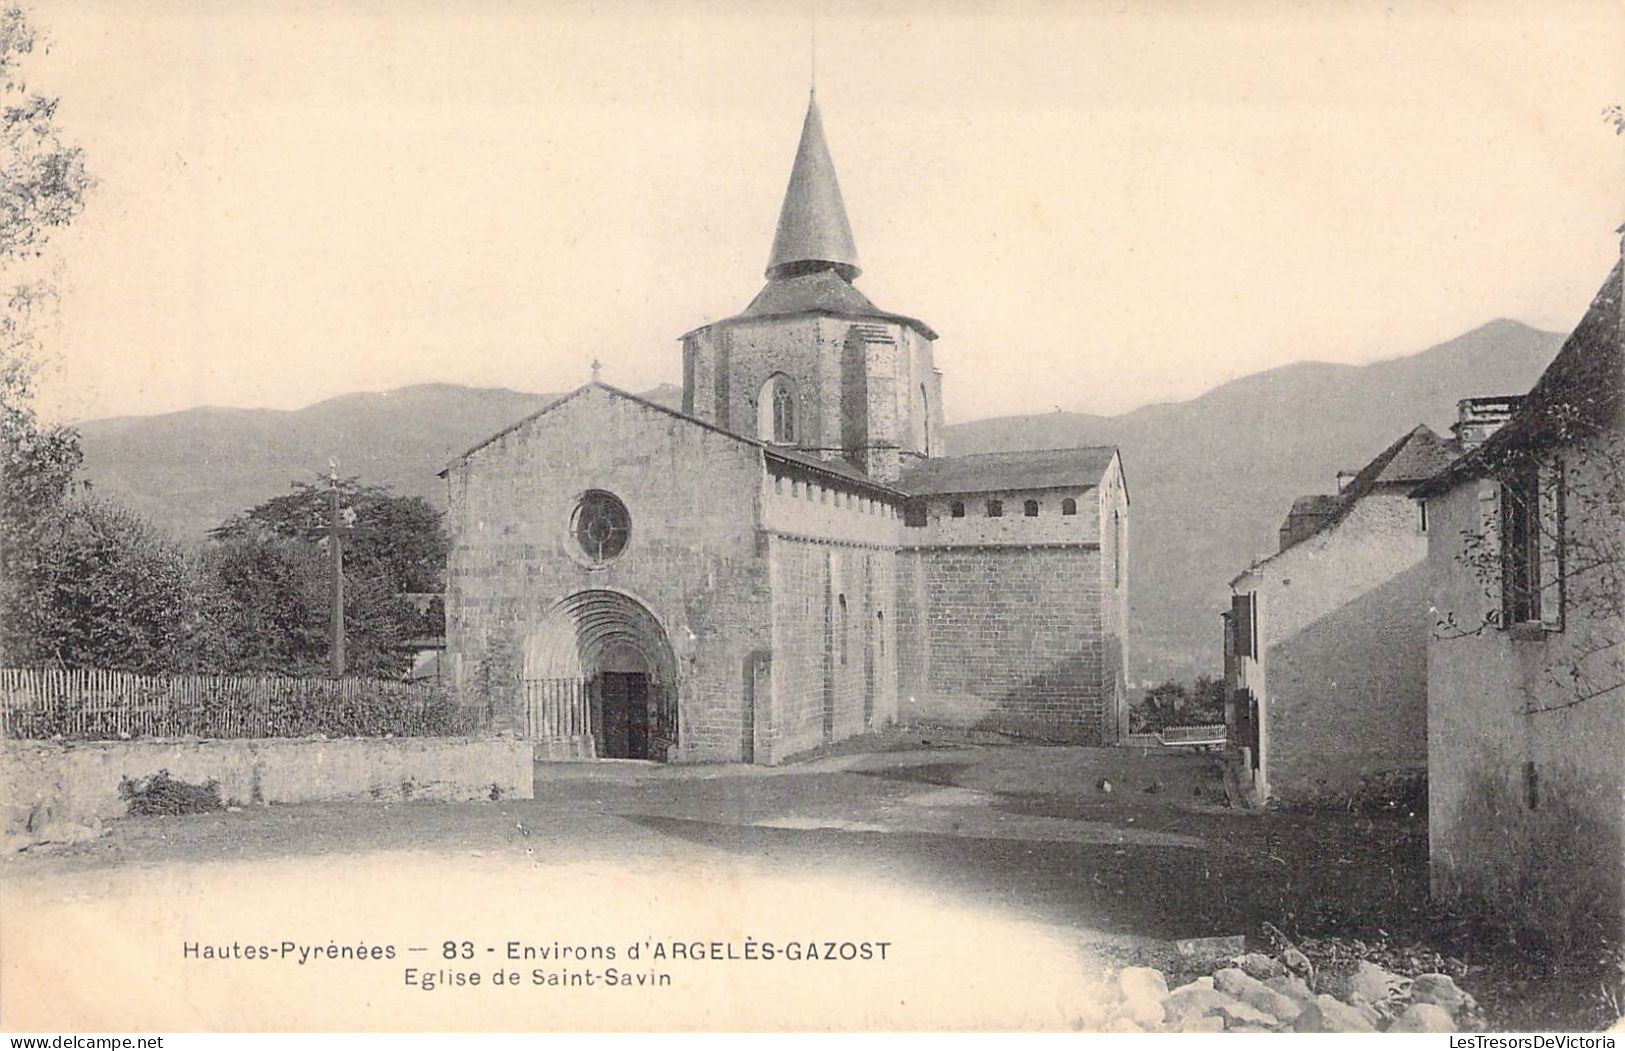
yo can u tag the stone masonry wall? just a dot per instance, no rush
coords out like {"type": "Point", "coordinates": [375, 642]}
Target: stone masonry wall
{"type": "Point", "coordinates": [694, 558]}
{"type": "Point", "coordinates": [833, 674]}
{"type": "Point", "coordinates": [55, 783]}
{"type": "Point", "coordinates": [857, 383]}
{"type": "Point", "coordinates": [1011, 641]}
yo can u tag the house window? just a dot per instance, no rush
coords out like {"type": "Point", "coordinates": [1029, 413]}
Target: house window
{"type": "Point", "coordinates": [995, 508]}
{"type": "Point", "coordinates": [957, 509]}
{"type": "Point", "coordinates": [1531, 548]}
{"type": "Point", "coordinates": [843, 630]}
{"type": "Point", "coordinates": [1422, 511]}
{"type": "Point", "coordinates": [776, 411]}
{"type": "Point", "coordinates": [1117, 550]}
{"type": "Point", "coordinates": [914, 514]}
{"type": "Point", "coordinates": [1069, 506]}
{"type": "Point", "coordinates": [1030, 508]}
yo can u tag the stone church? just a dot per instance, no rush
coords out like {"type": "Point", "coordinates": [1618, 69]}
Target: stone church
{"type": "Point", "coordinates": [791, 559]}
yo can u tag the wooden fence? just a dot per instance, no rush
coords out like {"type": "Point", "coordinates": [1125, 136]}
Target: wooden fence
{"type": "Point", "coordinates": [89, 704]}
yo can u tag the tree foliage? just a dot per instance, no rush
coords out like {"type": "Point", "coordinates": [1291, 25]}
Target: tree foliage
{"type": "Point", "coordinates": [42, 187]}
{"type": "Point", "coordinates": [110, 591]}
{"type": "Point", "coordinates": [271, 571]}
{"type": "Point", "coordinates": [1172, 703]}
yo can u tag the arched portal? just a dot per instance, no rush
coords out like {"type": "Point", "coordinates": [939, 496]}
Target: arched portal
{"type": "Point", "coordinates": [599, 664]}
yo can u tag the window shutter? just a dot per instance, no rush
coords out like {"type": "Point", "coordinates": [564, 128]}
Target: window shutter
{"type": "Point", "coordinates": [1241, 625]}
{"type": "Point", "coordinates": [1552, 525]}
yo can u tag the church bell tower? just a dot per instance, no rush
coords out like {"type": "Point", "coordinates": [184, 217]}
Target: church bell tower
{"type": "Point", "coordinates": [811, 363]}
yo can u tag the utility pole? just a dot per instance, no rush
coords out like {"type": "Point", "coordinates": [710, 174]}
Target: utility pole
{"type": "Point", "coordinates": [335, 541]}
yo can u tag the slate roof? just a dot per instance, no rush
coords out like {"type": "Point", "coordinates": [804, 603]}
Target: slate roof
{"type": "Point", "coordinates": [837, 469]}
{"type": "Point", "coordinates": [1317, 504]}
{"type": "Point", "coordinates": [1003, 471]}
{"type": "Point", "coordinates": [812, 221]}
{"type": "Point", "coordinates": [1417, 455]}
{"type": "Point", "coordinates": [1581, 392]}
{"type": "Point", "coordinates": [820, 292]}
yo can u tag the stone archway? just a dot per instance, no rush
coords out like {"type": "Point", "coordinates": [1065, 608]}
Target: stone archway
{"type": "Point", "coordinates": [600, 669]}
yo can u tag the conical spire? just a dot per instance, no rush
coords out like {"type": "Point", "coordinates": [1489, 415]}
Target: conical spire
{"type": "Point", "coordinates": [813, 232]}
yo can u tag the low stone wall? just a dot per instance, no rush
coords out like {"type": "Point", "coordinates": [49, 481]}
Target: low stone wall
{"type": "Point", "coordinates": [57, 783]}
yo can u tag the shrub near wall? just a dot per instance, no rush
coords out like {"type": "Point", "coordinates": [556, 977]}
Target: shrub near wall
{"type": "Point", "coordinates": [91, 704]}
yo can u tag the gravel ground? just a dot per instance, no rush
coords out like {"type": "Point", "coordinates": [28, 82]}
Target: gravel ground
{"type": "Point", "coordinates": [971, 827]}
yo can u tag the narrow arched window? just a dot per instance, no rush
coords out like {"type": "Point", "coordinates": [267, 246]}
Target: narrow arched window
{"type": "Point", "coordinates": [995, 508]}
{"type": "Point", "coordinates": [843, 631]}
{"type": "Point", "coordinates": [925, 421]}
{"type": "Point", "coordinates": [1069, 506]}
{"type": "Point", "coordinates": [1030, 508]}
{"type": "Point", "coordinates": [776, 411]}
{"type": "Point", "coordinates": [957, 509]}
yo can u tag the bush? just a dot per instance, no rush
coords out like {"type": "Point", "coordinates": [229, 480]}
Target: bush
{"type": "Point", "coordinates": [1174, 704]}
{"type": "Point", "coordinates": [162, 794]}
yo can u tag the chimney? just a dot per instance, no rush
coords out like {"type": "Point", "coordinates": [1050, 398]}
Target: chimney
{"type": "Point", "coordinates": [1478, 418]}
{"type": "Point", "coordinates": [1344, 478]}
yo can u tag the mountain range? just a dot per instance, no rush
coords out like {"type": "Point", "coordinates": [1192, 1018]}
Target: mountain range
{"type": "Point", "coordinates": [1209, 478]}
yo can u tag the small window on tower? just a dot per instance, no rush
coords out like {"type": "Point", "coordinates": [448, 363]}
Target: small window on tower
{"type": "Point", "coordinates": [1030, 508]}
{"type": "Point", "coordinates": [957, 509]}
{"type": "Point", "coordinates": [776, 411]}
{"type": "Point", "coordinates": [995, 508]}
{"type": "Point", "coordinates": [1069, 506]}
{"type": "Point", "coordinates": [914, 514]}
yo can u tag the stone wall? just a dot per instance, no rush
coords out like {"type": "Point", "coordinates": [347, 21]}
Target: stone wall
{"type": "Point", "coordinates": [1526, 790]}
{"type": "Point", "coordinates": [45, 783]}
{"type": "Point", "coordinates": [858, 384]}
{"type": "Point", "coordinates": [834, 642]}
{"type": "Point", "coordinates": [1004, 638]}
{"type": "Point", "coordinates": [694, 558]}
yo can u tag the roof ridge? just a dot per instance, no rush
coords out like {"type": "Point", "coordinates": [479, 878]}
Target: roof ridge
{"type": "Point", "coordinates": [1017, 452]}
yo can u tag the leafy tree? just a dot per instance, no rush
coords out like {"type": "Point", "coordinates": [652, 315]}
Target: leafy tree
{"type": "Point", "coordinates": [111, 592]}
{"type": "Point", "coordinates": [273, 601]}
{"type": "Point", "coordinates": [1173, 704]}
{"type": "Point", "coordinates": [399, 538]}
{"type": "Point", "coordinates": [44, 188]}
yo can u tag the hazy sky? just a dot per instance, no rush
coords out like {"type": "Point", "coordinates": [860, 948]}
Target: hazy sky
{"type": "Point", "coordinates": [1096, 205]}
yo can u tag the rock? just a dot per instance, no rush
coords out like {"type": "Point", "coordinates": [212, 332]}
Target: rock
{"type": "Point", "coordinates": [1442, 990]}
{"type": "Point", "coordinates": [1143, 989]}
{"type": "Point", "coordinates": [1143, 981]}
{"type": "Point", "coordinates": [1293, 986]}
{"type": "Point", "coordinates": [1259, 966]}
{"type": "Point", "coordinates": [1182, 1006]}
{"type": "Point", "coordinates": [1327, 1014]}
{"type": "Point", "coordinates": [1204, 1024]}
{"type": "Point", "coordinates": [1423, 1018]}
{"type": "Point", "coordinates": [1205, 982]}
{"type": "Point", "coordinates": [1239, 1012]}
{"type": "Point", "coordinates": [1124, 1025]}
{"type": "Point", "coordinates": [1250, 990]}
{"type": "Point", "coordinates": [1104, 785]}
{"type": "Point", "coordinates": [1367, 982]}
{"type": "Point", "coordinates": [1297, 963]}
